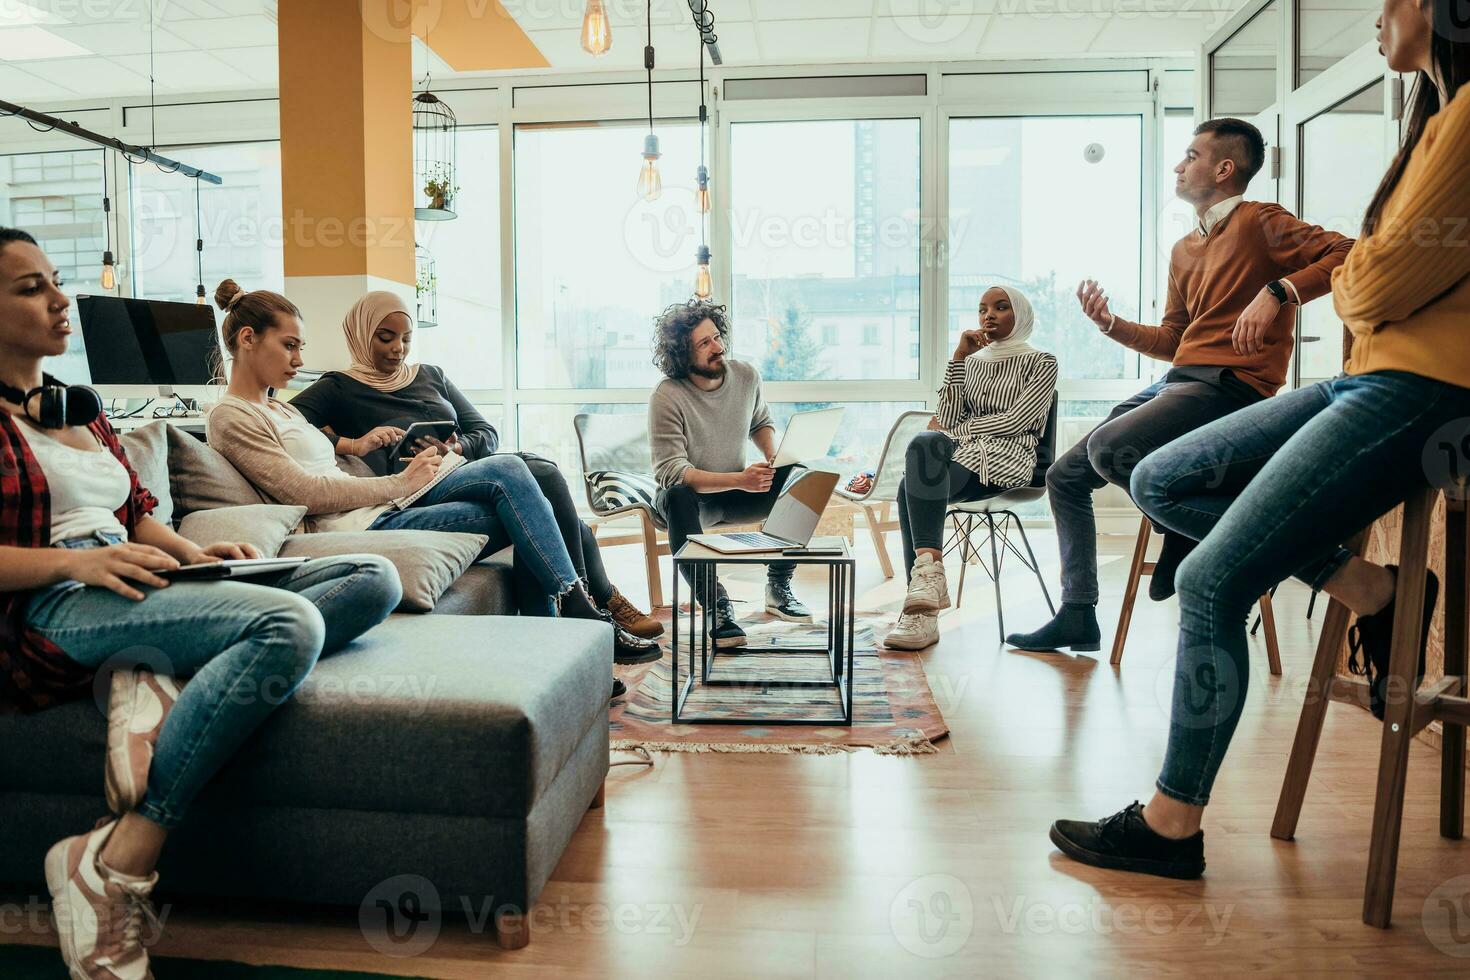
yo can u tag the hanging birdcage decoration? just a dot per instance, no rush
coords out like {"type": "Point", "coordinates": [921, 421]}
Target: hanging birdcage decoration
{"type": "Point", "coordinates": [426, 287]}
{"type": "Point", "coordinates": [434, 129]}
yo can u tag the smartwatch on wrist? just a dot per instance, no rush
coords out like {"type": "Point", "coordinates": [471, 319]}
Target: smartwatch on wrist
{"type": "Point", "coordinates": [1278, 289]}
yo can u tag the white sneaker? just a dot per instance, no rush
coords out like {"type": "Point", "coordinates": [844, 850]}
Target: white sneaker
{"type": "Point", "coordinates": [913, 631]}
{"type": "Point", "coordinates": [100, 916]}
{"type": "Point", "coordinates": [928, 591]}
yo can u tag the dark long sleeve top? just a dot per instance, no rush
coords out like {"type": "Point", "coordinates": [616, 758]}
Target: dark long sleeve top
{"type": "Point", "coordinates": [352, 409]}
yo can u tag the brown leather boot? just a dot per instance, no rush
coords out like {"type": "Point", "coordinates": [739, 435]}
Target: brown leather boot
{"type": "Point", "coordinates": [633, 619]}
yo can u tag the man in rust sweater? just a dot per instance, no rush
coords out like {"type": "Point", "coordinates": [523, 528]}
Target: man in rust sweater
{"type": "Point", "coordinates": [1228, 332]}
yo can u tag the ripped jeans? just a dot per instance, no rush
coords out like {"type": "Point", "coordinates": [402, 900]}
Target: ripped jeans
{"type": "Point", "coordinates": [498, 497]}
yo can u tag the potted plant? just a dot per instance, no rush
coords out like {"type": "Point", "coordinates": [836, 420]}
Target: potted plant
{"type": "Point", "coordinates": [440, 189]}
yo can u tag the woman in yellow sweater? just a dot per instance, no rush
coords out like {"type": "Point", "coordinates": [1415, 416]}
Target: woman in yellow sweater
{"type": "Point", "coordinates": [1273, 490]}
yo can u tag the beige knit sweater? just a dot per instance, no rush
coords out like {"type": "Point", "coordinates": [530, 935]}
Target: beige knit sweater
{"type": "Point", "coordinates": [245, 434]}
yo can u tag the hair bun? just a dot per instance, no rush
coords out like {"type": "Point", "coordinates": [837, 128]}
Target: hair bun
{"type": "Point", "coordinates": [227, 294]}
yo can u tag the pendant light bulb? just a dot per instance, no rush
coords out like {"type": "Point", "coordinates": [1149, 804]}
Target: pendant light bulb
{"type": "Point", "coordinates": [109, 277]}
{"type": "Point", "coordinates": [650, 184]}
{"type": "Point", "coordinates": [199, 295]}
{"type": "Point", "coordinates": [703, 284]}
{"type": "Point", "coordinates": [701, 194]}
{"type": "Point", "coordinates": [596, 29]}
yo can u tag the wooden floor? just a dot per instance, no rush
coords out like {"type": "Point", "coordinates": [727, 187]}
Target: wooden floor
{"type": "Point", "coordinates": [845, 866]}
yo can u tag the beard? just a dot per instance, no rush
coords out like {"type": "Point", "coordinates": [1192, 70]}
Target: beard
{"type": "Point", "coordinates": [714, 372]}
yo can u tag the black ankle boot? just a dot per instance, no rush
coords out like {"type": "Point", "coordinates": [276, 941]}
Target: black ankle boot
{"type": "Point", "coordinates": [1370, 644]}
{"type": "Point", "coordinates": [1176, 548]}
{"type": "Point", "coordinates": [1075, 626]}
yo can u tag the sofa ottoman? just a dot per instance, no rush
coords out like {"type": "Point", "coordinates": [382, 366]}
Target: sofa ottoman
{"type": "Point", "coordinates": [439, 762]}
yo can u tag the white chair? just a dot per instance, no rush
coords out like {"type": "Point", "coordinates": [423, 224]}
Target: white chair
{"type": "Point", "coordinates": [877, 503]}
{"type": "Point", "coordinates": [615, 459]}
{"type": "Point", "coordinates": [970, 516]}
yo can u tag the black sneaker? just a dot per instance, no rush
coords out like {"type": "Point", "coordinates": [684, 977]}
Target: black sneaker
{"type": "Point", "coordinates": [1161, 581]}
{"type": "Point", "coordinates": [619, 689]}
{"type": "Point", "coordinates": [1124, 842]}
{"type": "Point", "coordinates": [1075, 626]}
{"type": "Point", "coordinates": [1370, 642]}
{"type": "Point", "coordinates": [782, 603]}
{"type": "Point", "coordinates": [726, 633]}
{"type": "Point", "coordinates": [630, 649]}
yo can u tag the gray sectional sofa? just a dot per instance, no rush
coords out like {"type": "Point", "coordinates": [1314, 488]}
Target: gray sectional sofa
{"type": "Point", "coordinates": [439, 762]}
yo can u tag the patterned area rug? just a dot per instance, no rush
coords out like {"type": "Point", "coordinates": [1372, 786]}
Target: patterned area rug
{"type": "Point", "coordinates": [894, 711]}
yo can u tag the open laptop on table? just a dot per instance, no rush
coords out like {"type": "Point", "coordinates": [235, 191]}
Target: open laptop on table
{"type": "Point", "coordinates": [792, 523]}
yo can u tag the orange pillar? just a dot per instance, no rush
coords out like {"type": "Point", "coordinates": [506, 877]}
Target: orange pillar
{"type": "Point", "coordinates": [346, 160]}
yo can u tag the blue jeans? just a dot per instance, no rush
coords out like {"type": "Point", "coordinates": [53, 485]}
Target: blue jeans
{"type": "Point", "coordinates": [246, 645]}
{"type": "Point", "coordinates": [498, 497]}
{"type": "Point", "coordinates": [1272, 491]}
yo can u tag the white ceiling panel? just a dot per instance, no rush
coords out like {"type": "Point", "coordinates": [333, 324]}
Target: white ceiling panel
{"type": "Point", "coordinates": [261, 64]}
{"type": "Point", "coordinates": [1013, 35]}
{"type": "Point", "coordinates": [796, 41]}
{"type": "Point", "coordinates": [31, 43]}
{"type": "Point", "coordinates": [226, 32]}
{"type": "Point", "coordinates": [21, 86]}
{"type": "Point", "coordinates": [109, 40]}
{"type": "Point", "coordinates": [775, 10]}
{"type": "Point", "coordinates": [89, 76]}
{"type": "Point", "coordinates": [956, 35]}
{"type": "Point", "coordinates": [184, 71]}
{"type": "Point", "coordinates": [1180, 34]}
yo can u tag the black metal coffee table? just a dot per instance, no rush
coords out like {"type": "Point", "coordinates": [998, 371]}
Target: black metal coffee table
{"type": "Point", "coordinates": [702, 563]}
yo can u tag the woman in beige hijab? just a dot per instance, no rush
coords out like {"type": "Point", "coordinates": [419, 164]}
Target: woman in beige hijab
{"type": "Point", "coordinates": [367, 408]}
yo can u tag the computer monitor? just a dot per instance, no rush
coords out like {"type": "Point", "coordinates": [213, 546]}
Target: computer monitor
{"type": "Point", "coordinates": [145, 342]}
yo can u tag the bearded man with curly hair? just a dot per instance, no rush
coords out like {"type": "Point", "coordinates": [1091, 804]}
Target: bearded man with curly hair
{"type": "Point", "coordinates": [699, 417]}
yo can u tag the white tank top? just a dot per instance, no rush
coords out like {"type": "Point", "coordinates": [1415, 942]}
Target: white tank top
{"type": "Point", "coordinates": [87, 487]}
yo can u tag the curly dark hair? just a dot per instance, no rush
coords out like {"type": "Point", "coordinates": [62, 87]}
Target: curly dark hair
{"type": "Point", "coordinates": [671, 334]}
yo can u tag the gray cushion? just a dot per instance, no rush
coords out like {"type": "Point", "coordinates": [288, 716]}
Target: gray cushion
{"type": "Point", "coordinates": [427, 561]}
{"type": "Point", "coordinates": [470, 715]}
{"type": "Point", "coordinates": [263, 525]}
{"type": "Point", "coordinates": [485, 589]}
{"type": "Point", "coordinates": [202, 479]}
{"type": "Point", "coordinates": [147, 451]}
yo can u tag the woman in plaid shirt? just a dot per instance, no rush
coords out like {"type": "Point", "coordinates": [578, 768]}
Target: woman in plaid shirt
{"type": "Point", "coordinates": [80, 593]}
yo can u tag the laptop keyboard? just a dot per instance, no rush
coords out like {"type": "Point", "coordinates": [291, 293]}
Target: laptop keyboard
{"type": "Point", "coordinates": [755, 539]}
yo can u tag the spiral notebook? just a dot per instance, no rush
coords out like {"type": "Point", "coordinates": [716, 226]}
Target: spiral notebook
{"type": "Point", "coordinates": [451, 463]}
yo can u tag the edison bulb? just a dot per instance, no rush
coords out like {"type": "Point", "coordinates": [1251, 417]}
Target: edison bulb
{"type": "Point", "coordinates": [596, 29]}
{"type": "Point", "coordinates": [701, 194]}
{"type": "Point", "coordinates": [650, 184]}
{"type": "Point", "coordinates": [703, 284]}
{"type": "Point", "coordinates": [109, 278]}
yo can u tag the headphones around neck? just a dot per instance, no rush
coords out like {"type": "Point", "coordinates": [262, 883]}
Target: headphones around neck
{"type": "Point", "coordinates": [60, 405]}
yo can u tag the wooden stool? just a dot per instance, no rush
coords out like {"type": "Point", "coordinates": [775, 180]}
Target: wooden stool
{"type": "Point", "coordinates": [1141, 567]}
{"type": "Point", "coordinates": [1443, 700]}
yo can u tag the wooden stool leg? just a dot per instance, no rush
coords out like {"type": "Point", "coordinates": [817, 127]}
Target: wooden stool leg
{"type": "Point", "coordinates": [871, 516]}
{"type": "Point", "coordinates": [650, 561]}
{"type": "Point", "coordinates": [1268, 623]}
{"type": "Point", "coordinates": [1314, 713]}
{"type": "Point", "coordinates": [512, 930]}
{"type": "Point", "coordinates": [1135, 572]}
{"type": "Point", "coordinates": [1393, 760]}
{"type": "Point", "coordinates": [1452, 761]}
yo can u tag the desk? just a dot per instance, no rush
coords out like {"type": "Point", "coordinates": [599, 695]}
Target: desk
{"type": "Point", "coordinates": [702, 564]}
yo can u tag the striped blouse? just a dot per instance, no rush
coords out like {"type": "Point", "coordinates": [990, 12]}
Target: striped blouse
{"type": "Point", "coordinates": [994, 410]}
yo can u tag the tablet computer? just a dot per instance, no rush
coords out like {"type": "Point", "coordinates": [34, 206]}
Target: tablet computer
{"type": "Point", "coordinates": [440, 430]}
{"type": "Point", "coordinates": [229, 568]}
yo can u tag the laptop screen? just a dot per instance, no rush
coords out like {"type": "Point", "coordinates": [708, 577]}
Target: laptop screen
{"type": "Point", "coordinates": [798, 509]}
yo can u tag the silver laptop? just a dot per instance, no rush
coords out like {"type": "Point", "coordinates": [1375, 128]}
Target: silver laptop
{"type": "Point", "coordinates": [792, 523]}
{"type": "Point", "coordinates": [808, 436]}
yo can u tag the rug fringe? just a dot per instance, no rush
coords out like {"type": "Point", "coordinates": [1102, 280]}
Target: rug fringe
{"type": "Point", "coordinates": [909, 745]}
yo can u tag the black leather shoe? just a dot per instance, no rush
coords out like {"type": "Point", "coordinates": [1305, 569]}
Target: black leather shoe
{"type": "Point", "coordinates": [619, 689]}
{"type": "Point", "coordinates": [630, 649]}
{"type": "Point", "coordinates": [1370, 642]}
{"type": "Point", "coordinates": [1125, 842]}
{"type": "Point", "coordinates": [1161, 581]}
{"type": "Point", "coordinates": [1075, 626]}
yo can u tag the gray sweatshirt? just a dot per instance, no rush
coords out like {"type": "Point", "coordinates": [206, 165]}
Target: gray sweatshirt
{"type": "Point", "coordinates": [705, 430]}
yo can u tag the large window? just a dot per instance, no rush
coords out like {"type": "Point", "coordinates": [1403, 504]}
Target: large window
{"type": "Point", "coordinates": [57, 197]}
{"type": "Point", "coordinates": [1329, 30]}
{"type": "Point", "coordinates": [240, 220]}
{"type": "Point", "coordinates": [467, 340]}
{"type": "Point", "coordinates": [1033, 204]}
{"type": "Point", "coordinates": [1344, 155]}
{"type": "Point", "coordinates": [1243, 69]}
{"type": "Point", "coordinates": [595, 263]}
{"type": "Point", "coordinates": [824, 224]}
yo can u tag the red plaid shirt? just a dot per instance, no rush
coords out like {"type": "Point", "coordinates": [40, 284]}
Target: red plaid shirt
{"type": "Point", "coordinates": [35, 673]}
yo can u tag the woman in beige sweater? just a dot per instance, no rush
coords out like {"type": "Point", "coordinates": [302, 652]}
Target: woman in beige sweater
{"type": "Point", "coordinates": [293, 462]}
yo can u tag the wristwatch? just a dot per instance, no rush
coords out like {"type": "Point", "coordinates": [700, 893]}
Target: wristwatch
{"type": "Point", "coordinates": [1278, 289]}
